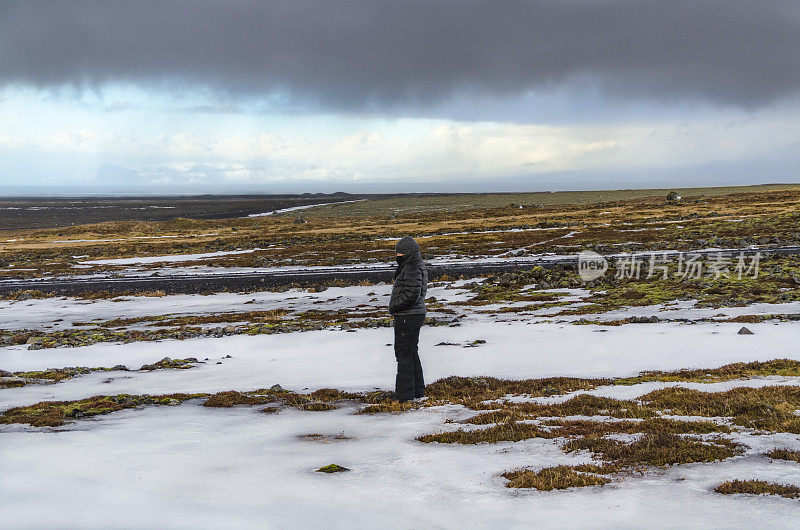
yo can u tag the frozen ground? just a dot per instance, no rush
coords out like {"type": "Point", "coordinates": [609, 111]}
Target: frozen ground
{"type": "Point", "coordinates": [361, 360]}
{"type": "Point", "coordinates": [53, 314]}
{"type": "Point", "coordinates": [189, 466]}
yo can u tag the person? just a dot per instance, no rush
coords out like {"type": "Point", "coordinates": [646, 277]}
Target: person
{"type": "Point", "coordinates": [407, 306]}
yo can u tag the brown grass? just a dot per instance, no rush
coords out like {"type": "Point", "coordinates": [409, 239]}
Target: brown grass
{"type": "Point", "coordinates": [56, 413]}
{"type": "Point", "coordinates": [552, 478]}
{"type": "Point", "coordinates": [770, 408]}
{"type": "Point", "coordinates": [758, 487]}
{"type": "Point", "coordinates": [232, 398]}
{"type": "Point", "coordinates": [784, 454]}
{"type": "Point", "coordinates": [660, 448]}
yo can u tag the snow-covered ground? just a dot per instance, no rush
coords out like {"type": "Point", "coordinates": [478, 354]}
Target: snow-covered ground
{"type": "Point", "coordinates": [61, 313]}
{"type": "Point", "coordinates": [190, 466]}
{"type": "Point", "coordinates": [357, 361]}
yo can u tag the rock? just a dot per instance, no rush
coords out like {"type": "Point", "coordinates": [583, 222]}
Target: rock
{"type": "Point", "coordinates": [120, 367]}
{"type": "Point", "coordinates": [173, 402]}
{"type": "Point", "coordinates": [3, 373]}
{"type": "Point", "coordinates": [33, 340]}
{"type": "Point", "coordinates": [35, 346]}
{"type": "Point", "coordinates": [276, 388]}
{"type": "Point", "coordinates": [745, 331]}
{"type": "Point", "coordinates": [229, 329]}
{"type": "Point", "coordinates": [228, 357]}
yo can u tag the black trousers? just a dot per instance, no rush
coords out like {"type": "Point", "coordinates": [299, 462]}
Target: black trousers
{"type": "Point", "coordinates": [409, 383]}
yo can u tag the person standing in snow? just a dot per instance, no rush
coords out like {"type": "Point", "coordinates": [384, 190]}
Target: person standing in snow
{"type": "Point", "coordinates": [407, 306]}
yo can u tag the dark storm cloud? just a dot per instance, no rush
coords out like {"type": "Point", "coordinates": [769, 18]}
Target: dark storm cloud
{"type": "Point", "coordinates": [367, 53]}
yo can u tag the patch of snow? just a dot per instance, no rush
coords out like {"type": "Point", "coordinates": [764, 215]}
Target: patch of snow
{"type": "Point", "coordinates": [193, 467]}
{"type": "Point", "coordinates": [361, 361]}
{"type": "Point", "coordinates": [297, 208]}
{"type": "Point", "coordinates": [172, 258]}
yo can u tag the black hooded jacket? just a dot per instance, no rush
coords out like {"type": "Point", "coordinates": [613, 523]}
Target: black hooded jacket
{"type": "Point", "coordinates": [410, 286]}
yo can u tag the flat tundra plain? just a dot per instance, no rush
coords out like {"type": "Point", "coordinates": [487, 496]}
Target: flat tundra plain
{"type": "Point", "coordinates": [670, 401]}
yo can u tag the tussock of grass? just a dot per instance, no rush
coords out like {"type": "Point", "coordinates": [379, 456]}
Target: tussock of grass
{"type": "Point", "coordinates": [770, 408]}
{"type": "Point", "coordinates": [656, 449]}
{"type": "Point", "coordinates": [784, 454]}
{"type": "Point", "coordinates": [503, 432]}
{"type": "Point", "coordinates": [318, 407]}
{"type": "Point", "coordinates": [51, 375]}
{"type": "Point", "coordinates": [505, 415]}
{"type": "Point", "coordinates": [552, 478]}
{"type": "Point", "coordinates": [232, 398]}
{"type": "Point", "coordinates": [783, 367]}
{"type": "Point", "coordinates": [331, 394]}
{"type": "Point", "coordinates": [758, 487]}
{"type": "Point", "coordinates": [650, 426]}
{"type": "Point", "coordinates": [56, 413]}
{"type": "Point", "coordinates": [170, 364]}
{"type": "Point", "coordinates": [514, 431]}
{"type": "Point", "coordinates": [472, 389]}
{"type": "Point", "coordinates": [389, 406]}
{"type": "Point", "coordinates": [580, 405]}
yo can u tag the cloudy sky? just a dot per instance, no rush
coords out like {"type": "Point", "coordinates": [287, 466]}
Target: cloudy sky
{"type": "Point", "coordinates": [401, 95]}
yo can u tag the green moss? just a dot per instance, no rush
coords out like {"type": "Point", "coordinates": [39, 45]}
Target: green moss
{"type": "Point", "coordinates": [332, 468]}
{"type": "Point", "coordinates": [56, 413]}
{"type": "Point", "coordinates": [171, 364]}
{"type": "Point", "coordinates": [231, 398]}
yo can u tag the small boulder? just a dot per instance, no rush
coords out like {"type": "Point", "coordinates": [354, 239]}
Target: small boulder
{"type": "Point", "coordinates": [745, 331]}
